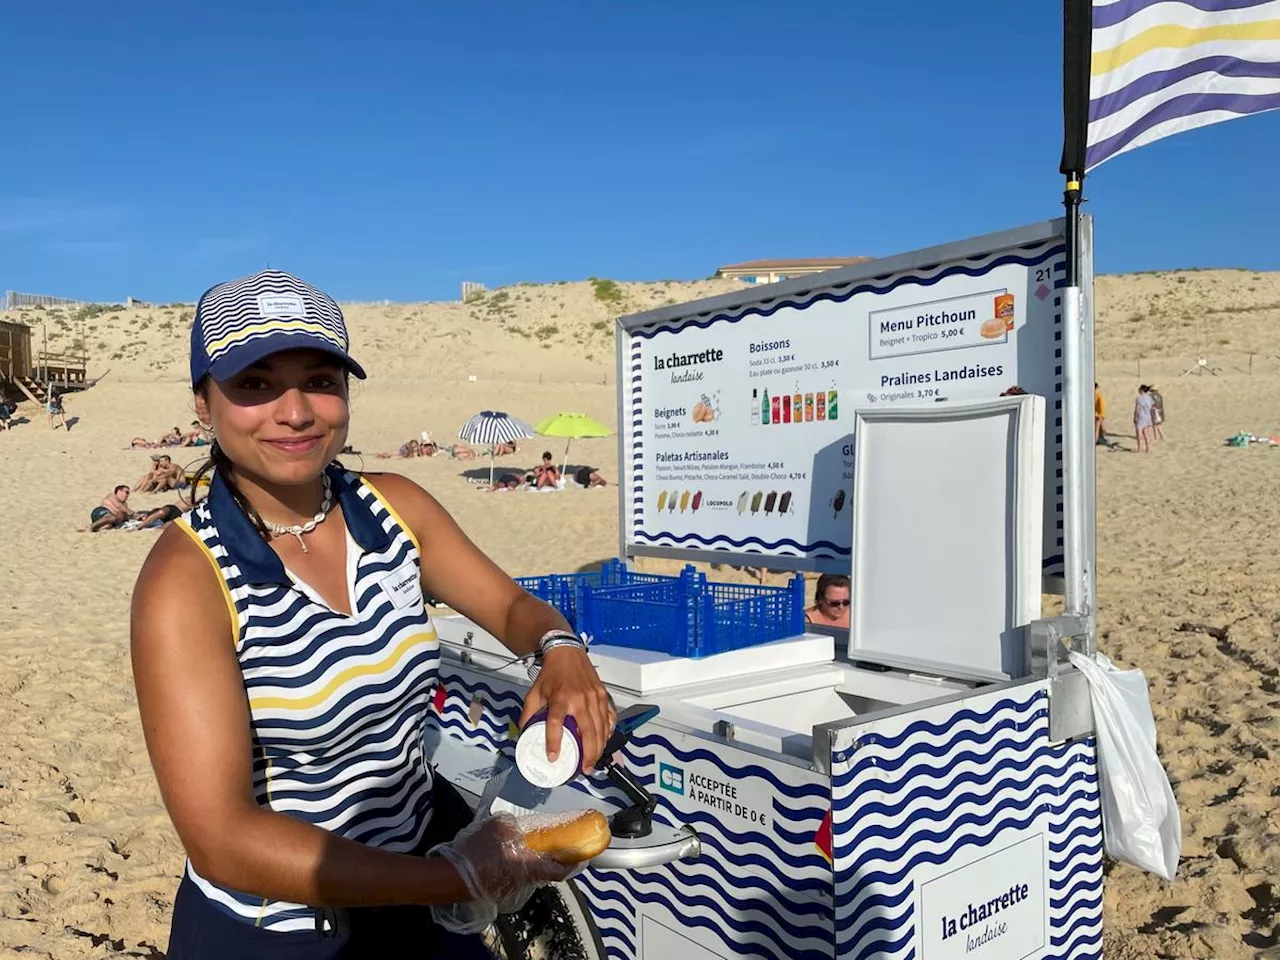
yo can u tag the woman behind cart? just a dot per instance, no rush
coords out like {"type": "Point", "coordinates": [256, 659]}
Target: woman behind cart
{"type": "Point", "coordinates": [284, 659]}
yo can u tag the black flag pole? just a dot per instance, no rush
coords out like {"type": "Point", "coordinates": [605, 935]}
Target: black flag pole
{"type": "Point", "coordinates": [1079, 540]}
{"type": "Point", "coordinates": [1077, 49]}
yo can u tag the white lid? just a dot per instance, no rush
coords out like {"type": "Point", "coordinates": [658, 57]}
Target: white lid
{"type": "Point", "coordinates": [947, 524]}
{"type": "Point", "coordinates": [536, 767]}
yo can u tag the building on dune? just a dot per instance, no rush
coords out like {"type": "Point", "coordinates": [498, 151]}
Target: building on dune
{"type": "Point", "coordinates": [772, 271]}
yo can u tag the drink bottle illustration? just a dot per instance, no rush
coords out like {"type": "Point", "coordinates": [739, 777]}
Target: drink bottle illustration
{"type": "Point", "coordinates": [822, 405]}
{"type": "Point", "coordinates": [786, 408]}
{"type": "Point", "coordinates": [764, 406]}
{"type": "Point", "coordinates": [775, 411]}
{"type": "Point", "coordinates": [833, 411]}
{"type": "Point", "coordinates": [755, 406]}
{"type": "Point", "coordinates": [808, 407]}
{"type": "Point", "coordinates": [797, 408]}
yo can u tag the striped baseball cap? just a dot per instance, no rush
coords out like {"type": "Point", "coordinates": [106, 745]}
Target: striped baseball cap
{"type": "Point", "coordinates": [240, 322]}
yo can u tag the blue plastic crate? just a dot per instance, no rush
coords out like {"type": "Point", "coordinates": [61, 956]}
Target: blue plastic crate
{"type": "Point", "coordinates": [688, 616]}
{"type": "Point", "coordinates": [564, 591]}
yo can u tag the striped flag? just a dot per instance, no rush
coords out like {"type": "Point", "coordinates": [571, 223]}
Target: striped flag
{"type": "Point", "coordinates": [1159, 67]}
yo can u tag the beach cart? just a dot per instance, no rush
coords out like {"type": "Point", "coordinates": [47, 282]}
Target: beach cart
{"type": "Point", "coordinates": [923, 785]}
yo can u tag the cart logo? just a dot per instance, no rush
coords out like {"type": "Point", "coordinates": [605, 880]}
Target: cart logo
{"type": "Point", "coordinates": [671, 779]}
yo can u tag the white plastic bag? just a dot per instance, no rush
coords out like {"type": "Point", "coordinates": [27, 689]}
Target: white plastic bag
{"type": "Point", "coordinates": [1140, 820]}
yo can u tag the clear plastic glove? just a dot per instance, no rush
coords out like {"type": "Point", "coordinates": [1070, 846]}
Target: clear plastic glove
{"type": "Point", "coordinates": [498, 869]}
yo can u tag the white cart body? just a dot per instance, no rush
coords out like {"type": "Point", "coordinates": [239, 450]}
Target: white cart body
{"type": "Point", "coordinates": [924, 786]}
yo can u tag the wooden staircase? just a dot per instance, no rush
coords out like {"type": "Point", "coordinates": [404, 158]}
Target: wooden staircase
{"type": "Point", "coordinates": [34, 390]}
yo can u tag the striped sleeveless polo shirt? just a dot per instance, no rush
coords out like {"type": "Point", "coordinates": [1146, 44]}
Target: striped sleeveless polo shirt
{"type": "Point", "coordinates": [337, 703]}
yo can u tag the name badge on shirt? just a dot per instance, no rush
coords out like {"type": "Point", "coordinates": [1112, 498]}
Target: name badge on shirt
{"type": "Point", "coordinates": [402, 585]}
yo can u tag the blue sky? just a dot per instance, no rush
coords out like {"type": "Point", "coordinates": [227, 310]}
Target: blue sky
{"type": "Point", "coordinates": [156, 148]}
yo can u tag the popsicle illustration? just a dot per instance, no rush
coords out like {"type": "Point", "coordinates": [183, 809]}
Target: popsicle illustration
{"type": "Point", "coordinates": [784, 505]}
{"type": "Point", "coordinates": [838, 503]}
{"type": "Point", "coordinates": [697, 501]}
{"type": "Point", "coordinates": [684, 501]}
{"type": "Point", "coordinates": [755, 503]}
{"type": "Point", "coordinates": [742, 501]}
{"type": "Point", "coordinates": [769, 502]}
{"type": "Point", "coordinates": [671, 501]}
{"type": "Point", "coordinates": [662, 500]}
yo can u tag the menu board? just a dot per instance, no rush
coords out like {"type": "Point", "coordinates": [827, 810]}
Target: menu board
{"type": "Point", "coordinates": [736, 425]}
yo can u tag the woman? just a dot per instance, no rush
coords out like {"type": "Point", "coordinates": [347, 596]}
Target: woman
{"type": "Point", "coordinates": [57, 409]}
{"type": "Point", "coordinates": [1157, 411]}
{"type": "Point", "coordinates": [1142, 418]}
{"type": "Point", "coordinates": [831, 602]}
{"type": "Point", "coordinates": [284, 660]}
{"type": "Point", "coordinates": [546, 474]}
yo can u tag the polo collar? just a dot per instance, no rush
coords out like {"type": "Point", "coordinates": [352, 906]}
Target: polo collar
{"type": "Point", "coordinates": [257, 562]}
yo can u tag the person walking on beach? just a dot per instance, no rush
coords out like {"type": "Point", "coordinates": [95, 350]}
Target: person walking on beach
{"type": "Point", "coordinates": [1142, 408]}
{"type": "Point", "coordinates": [284, 662]}
{"type": "Point", "coordinates": [57, 409]}
{"type": "Point", "coordinates": [1099, 415]}
{"type": "Point", "coordinates": [1157, 411]}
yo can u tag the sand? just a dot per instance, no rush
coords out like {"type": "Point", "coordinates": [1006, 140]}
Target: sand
{"type": "Point", "coordinates": [90, 863]}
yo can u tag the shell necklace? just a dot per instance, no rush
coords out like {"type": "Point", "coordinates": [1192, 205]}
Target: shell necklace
{"type": "Point", "coordinates": [298, 529]}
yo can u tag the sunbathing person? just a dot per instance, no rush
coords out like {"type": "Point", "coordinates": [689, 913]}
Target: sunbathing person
{"type": "Point", "coordinates": [114, 514]}
{"type": "Point", "coordinates": [509, 481]}
{"type": "Point", "coordinates": [504, 449]}
{"type": "Point", "coordinates": [546, 474]}
{"type": "Point", "coordinates": [163, 475]}
{"type": "Point", "coordinates": [589, 477]}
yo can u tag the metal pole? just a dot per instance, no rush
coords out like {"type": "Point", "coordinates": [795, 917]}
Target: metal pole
{"type": "Point", "coordinates": [1077, 432]}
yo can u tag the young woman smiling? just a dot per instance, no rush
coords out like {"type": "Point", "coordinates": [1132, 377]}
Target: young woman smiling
{"type": "Point", "coordinates": [284, 660]}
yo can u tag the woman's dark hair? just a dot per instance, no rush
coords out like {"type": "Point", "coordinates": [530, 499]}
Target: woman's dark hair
{"type": "Point", "coordinates": [826, 582]}
{"type": "Point", "coordinates": [546, 454]}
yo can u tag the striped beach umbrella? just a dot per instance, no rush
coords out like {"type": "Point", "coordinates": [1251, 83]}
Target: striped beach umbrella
{"type": "Point", "coordinates": [491, 427]}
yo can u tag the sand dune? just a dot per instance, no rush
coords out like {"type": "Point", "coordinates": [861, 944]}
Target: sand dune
{"type": "Point", "coordinates": [90, 863]}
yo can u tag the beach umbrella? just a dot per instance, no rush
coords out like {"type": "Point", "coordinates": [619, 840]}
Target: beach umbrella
{"type": "Point", "coordinates": [571, 426]}
{"type": "Point", "coordinates": [494, 426]}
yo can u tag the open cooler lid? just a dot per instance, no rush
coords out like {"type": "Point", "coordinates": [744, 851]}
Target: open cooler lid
{"type": "Point", "coordinates": [947, 535]}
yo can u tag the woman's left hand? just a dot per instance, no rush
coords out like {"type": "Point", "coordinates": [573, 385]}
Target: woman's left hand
{"type": "Point", "coordinates": [567, 685]}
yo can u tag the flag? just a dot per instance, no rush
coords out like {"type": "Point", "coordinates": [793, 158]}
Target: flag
{"type": "Point", "coordinates": [1159, 67]}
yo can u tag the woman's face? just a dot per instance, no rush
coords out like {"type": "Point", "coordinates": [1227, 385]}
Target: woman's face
{"type": "Point", "coordinates": [835, 602]}
{"type": "Point", "coordinates": [282, 419]}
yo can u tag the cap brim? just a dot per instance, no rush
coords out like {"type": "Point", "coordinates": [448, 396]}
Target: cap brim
{"type": "Point", "coordinates": [245, 355]}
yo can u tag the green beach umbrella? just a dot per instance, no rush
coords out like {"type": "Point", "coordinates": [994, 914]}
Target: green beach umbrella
{"type": "Point", "coordinates": [571, 426]}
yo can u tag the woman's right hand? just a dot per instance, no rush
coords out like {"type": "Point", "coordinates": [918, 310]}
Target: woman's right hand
{"type": "Point", "coordinates": [497, 868]}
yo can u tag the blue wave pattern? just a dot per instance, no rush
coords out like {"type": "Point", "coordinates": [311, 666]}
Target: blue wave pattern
{"type": "Point", "coordinates": [757, 892]}
{"type": "Point", "coordinates": [634, 495]}
{"type": "Point", "coordinates": [1030, 256]}
{"type": "Point", "coordinates": [915, 793]}
{"type": "Point", "coordinates": [500, 708]}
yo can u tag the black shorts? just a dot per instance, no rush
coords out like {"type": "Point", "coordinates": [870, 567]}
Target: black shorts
{"type": "Point", "coordinates": [203, 932]}
{"type": "Point", "coordinates": [200, 931]}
